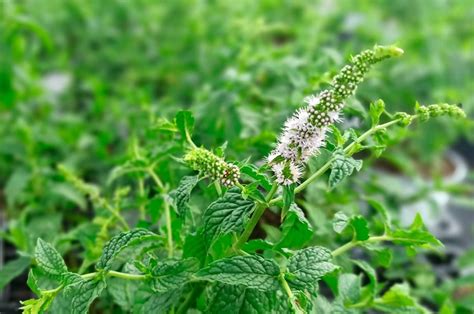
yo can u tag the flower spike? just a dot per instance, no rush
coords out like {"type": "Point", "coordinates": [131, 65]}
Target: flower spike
{"type": "Point", "coordinates": [305, 132]}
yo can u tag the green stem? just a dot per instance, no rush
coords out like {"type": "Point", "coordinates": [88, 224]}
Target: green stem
{"type": "Point", "coordinates": [258, 212]}
{"type": "Point", "coordinates": [289, 293]}
{"type": "Point", "coordinates": [168, 229]}
{"type": "Point", "coordinates": [349, 245]}
{"type": "Point", "coordinates": [368, 133]}
{"type": "Point", "coordinates": [189, 140]}
{"type": "Point", "coordinates": [117, 274]}
{"type": "Point", "coordinates": [141, 192]}
{"type": "Point", "coordinates": [155, 178]}
{"type": "Point", "coordinates": [272, 192]}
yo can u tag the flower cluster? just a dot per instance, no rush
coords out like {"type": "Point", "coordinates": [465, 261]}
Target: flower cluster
{"type": "Point", "coordinates": [305, 132]}
{"type": "Point", "coordinates": [426, 112]}
{"type": "Point", "coordinates": [216, 168]}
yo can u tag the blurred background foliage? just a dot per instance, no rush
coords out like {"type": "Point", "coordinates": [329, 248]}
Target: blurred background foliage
{"type": "Point", "coordinates": [81, 80]}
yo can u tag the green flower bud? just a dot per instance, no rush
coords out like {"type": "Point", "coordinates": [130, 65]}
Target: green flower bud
{"type": "Point", "coordinates": [215, 167]}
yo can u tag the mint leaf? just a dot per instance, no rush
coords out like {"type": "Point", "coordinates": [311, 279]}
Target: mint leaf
{"type": "Point", "coordinates": [415, 236]}
{"type": "Point", "coordinates": [358, 223]}
{"type": "Point", "coordinates": [307, 266]}
{"type": "Point", "coordinates": [171, 275]}
{"type": "Point", "coordinates": [361, 228]}
{"type": "Point", "coordinates": [226, 215]}
{"type": "Point", "coordinates": [375, 111]}
{"type": "Point", "coordinates": [251, 271]}
{"type": "Point", "coordinates": [380, 208]}
{"type": "Point", "coordinates": [185, 123]}
{"type": "Point", "coordinates": [122, 241]}
{"type": "Point", "coordinates": [182, 193]}
{"type": "Point", "coordinates": [123, 292]}
{"type": "Point", "coordinates": [81, 294]}
{"type": "Point", "coordinates": [398, 300]}
{"type": "Point", "coordinates": [239, 299]}
{"type": "Point", "coordinates": [371, 275]}
{"type": "Point", "coordinates": [148, 301]}
{"type": "Point", "coordinates": [342, 167]}
{"type": "Point", "coordinates": [255, 174]}
{"type": "Point", "coordinates": [49, 259]}
{"type": "Point", "coordinates": [340, 222]}
{"type": "Point", "coordinates": [13, 269]}
{"type": "Point", "coordinates": [349, 288]}
{"type": "Point", "coordinates": [296, 229]}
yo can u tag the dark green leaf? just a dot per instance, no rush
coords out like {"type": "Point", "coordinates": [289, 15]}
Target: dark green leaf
{"type": "Point", "coordinates": [182, 193]}
{"type": "Point", "coordinates": [185, 123]}
{"type": "Point", "coordinates": [288, 198]}
{"type": "Point", "coordinates": [308, 265]}
{"type": "Point", "coordinates": [81, 294]}
{"type": "Point", "coordinates": [171, 275]}
{"type": "Point", "coordinates": [296, 230]}
{"type": "Point", "coordinates": [342, 167]}
{"type": "Point", "coordinates": [226, 215]}
{"type": "Point", "coordinates": [254, 173]}
{"type": "Point", "coordinates": [251, 271]}
{"type": "Point", "coordinates": [148, 301]}
{"type": "Point", "coordinates": [122, 241]}
{"type": "Point", "coordinates": [239, 299]}
{"type": "Point", "coordinates": [13, 269]}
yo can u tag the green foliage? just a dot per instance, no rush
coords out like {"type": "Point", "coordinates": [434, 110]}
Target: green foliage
{"type": "Point", "coordinates": [251, 271]}
{"type": "Point", "coordinates": [308, 265]}
{"type": "Point", "coordinates": [95, 167]}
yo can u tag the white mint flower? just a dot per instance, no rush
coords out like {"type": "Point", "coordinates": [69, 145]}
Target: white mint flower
{"type": "Point", "coordinates": [304, 133]}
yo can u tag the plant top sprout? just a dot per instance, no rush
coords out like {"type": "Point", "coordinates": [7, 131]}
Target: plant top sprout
{"type": "Point", "coordinates": [227, 257]}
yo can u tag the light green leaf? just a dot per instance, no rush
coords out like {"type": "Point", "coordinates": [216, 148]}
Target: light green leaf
{"type": "Point", "coordinates": [371, 274]}
{"type": "Point", "coordinates": [375, 111]}
{"type": "Point", "coordinates": [398, 300]}
{"type": "Point", "coordinates": [251, 271]}
{"type": "Point", "coordinates": [358, 223]}
{"type": "Point", "coordinates": [296, 230]}
{"type": "Point", "coordinates": [308, 265]}
{"type": "Point", "coordinates": [171, 275]}
{"type": "Point", "coordinates": [49, 259]}
{"type": "Point", "coordinates": [185, 123]}
{"type": "Point", "coordinates": [415, 236]}
{"type": "Point", "coordinates": [122, 241]}
{"type": "Point", "coordinates": [239, 299]}
{"type": "Point", "coordinates": [380, 208]}
{"type": "Point", "coordinates": [349, 288]}
{"type": "Point", "coordinates": [342, 167]}
{"type": "Point", "coordinates": [182, 193]}
{"type": "Point", "coordinates": [123, 292]}
{"type": "Point", "coordinates": [13, 269]}
{"type": "Point", "coordinates": [226, 215]}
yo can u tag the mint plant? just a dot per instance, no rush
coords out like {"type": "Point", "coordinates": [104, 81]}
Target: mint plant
{"type": "Point", "coordinates": [214, 259]}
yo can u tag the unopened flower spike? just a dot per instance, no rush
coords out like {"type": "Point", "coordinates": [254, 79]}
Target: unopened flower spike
{"type": "Point", "coordinates": [213, 166]}
{"type": "Point", "coordinates": [305, 132]}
